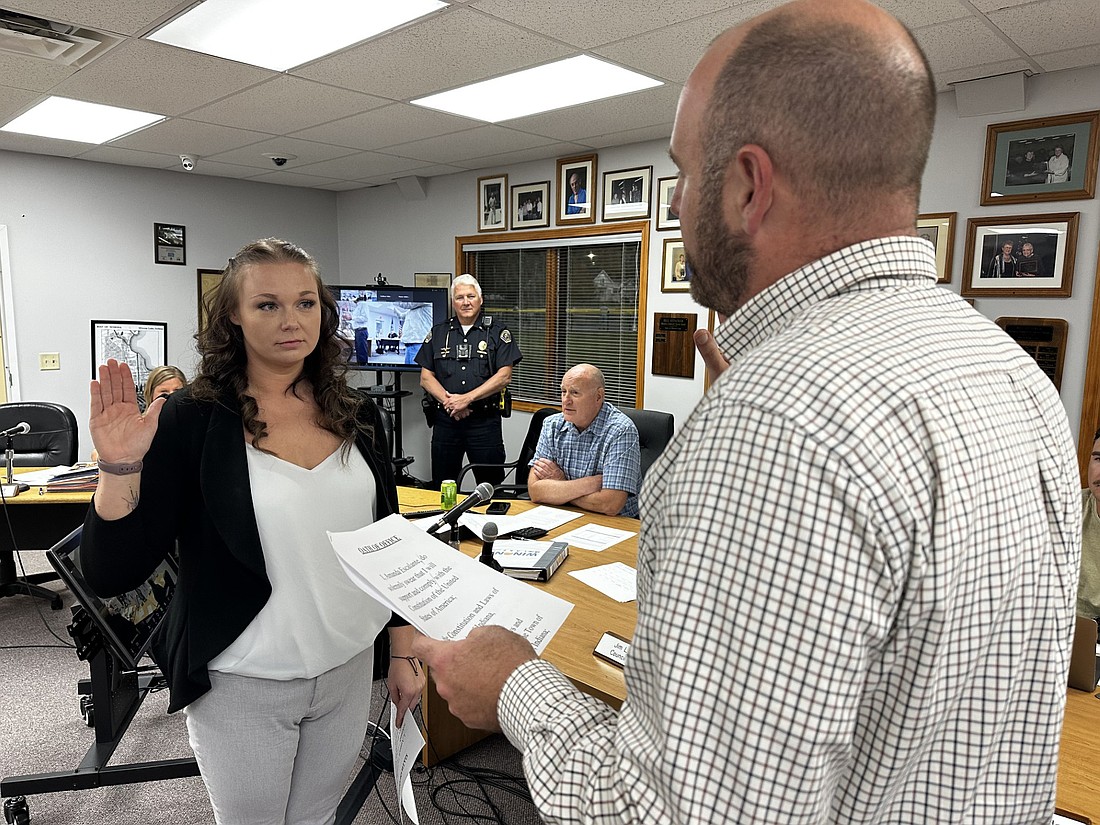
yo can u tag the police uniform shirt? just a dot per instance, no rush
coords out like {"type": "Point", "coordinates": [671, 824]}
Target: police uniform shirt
{"type": "Point", "coordinates": [463, 362]}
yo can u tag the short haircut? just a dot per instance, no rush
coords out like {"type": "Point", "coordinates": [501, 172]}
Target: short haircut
{"type": "Point", "coordinates": [465, 278]}
{"type": "Point", "coordinates": [837, 111]}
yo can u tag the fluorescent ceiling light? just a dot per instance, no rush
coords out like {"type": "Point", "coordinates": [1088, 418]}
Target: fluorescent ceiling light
{"type": "Point", "coordinates": [281, 34]}
{"type": "Point", "coordinates": [65, 119]}
{"type": "Point", "coordinates": [567, 82]}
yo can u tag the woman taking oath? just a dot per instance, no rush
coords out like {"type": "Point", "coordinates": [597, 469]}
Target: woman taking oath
{"type": "Point", "coordinates": [267, 645]}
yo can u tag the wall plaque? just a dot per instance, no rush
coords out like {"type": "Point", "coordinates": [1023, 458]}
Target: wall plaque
{"type": "Point", "coordinates": [673, 349]}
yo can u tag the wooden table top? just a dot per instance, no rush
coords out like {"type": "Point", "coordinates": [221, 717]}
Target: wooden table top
{"type": "Point", "coordinates": [1079, 761]}
{"type": "Point", "coordinates": [593, 613]}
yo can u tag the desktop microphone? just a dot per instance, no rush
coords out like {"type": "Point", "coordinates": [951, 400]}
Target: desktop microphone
{"type": "Point", "coordinates": [22, 428]}
{"type": "Point", "coordinates": [481, 494]}
{"type": "Point", "coordinates": [489, 535]}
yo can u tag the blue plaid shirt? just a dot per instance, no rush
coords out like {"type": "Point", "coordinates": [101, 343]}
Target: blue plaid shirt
{"type": "Point", "coordinates": [608, 447]}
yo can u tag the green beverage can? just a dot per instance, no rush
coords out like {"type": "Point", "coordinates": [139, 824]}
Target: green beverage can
{"type": "Point", "coordinates": [448, 495]}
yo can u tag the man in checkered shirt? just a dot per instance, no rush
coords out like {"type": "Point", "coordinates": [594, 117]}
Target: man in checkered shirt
{"type": "Point", "coordinates": [588, 454]}
{"type": "Point", "coordinates": [858, 557]}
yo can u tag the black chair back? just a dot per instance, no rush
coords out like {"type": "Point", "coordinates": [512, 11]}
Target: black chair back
{"type": "Point", "coordinates": [654, 432]}
{"type": "Point", "coordinates": [53, 437]}
{"type": "Point", "coordinates": [386, 417]}
{"type": "Point", "coordinates": [530, 443]}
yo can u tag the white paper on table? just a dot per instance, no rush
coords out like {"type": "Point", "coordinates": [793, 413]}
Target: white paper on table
{"type": "Point", "coordinates": [40, 478]}
{"type": "Point", "coordinates": [617, 580]}
{"type": "Point", "coordinates": [441, 592]}
{"type": "Point", "coordinates": [595, 537]}
{"type": "Point", "coordinates": [547, 517]}
{"type": "Point", "coordinates": [406, 742]}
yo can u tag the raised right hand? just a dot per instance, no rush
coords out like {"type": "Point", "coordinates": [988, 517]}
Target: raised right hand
{"type": "Point", "coordinates": [119, 431]}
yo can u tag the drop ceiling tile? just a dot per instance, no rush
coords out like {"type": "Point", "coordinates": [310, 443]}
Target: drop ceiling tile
{"type": "Point", "coordinates": [188, 137]}
{"type": "Point", "coordinates": [152, 77]}
{"type": "Point", "coordinates": [360, 165]}
{"type": "Point", "coordinates": [32, 72]}
{"type": "Point", "coordinates": [585, 24]}
{"type": "Point", "coordinates": [979, 71]}
{"type": "Point", "coordinates": [218, 170]}
{"type": "Point", "coordinates": [342, 186]}
{"type": "Point", "coordinates": [549, 153]}
{"type": "Point", "coordinates": [284, 105]}
{"type": "Point", "coordinates": [286, 178]}
{"type": "Point", "coordinates": [388, 126]}
{"type": "Point", "coordinates": [307, 151]}
{"type": "Point", "coordinates": [480, 142]}
{"type": "Point", "coordinates": [131, 157]}
{"type": "Point", "coordinates": [14, 101]}
{"type": "Point", "coordinates": [649, 107]}
{"type": "Point", "coordinates": [646, 133]}
{"type": "Point", "coordinates": [446, 50]}
{"type": "Point", "coordinates": [1051, 25]}
{"type": "Point", "coordinates": [961, 43]}
{"type": "Point", "coordinates": [1070, 58]}
{"type": "Point", "coordinates": [993, 5]}
{"type": "Point", "coordinates": [672, 53]}
{"type": "Point", "coordinates": [41, 146]}
{"type": "Point", "coordinates": [918, 13]}
{"type": "Point", "coordinates": [120, 16]}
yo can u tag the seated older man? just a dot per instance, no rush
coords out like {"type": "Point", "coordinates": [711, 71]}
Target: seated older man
{"type": "Point", "coordinates": [588, 454]}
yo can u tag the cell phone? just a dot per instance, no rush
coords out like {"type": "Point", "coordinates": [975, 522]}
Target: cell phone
{"type": "Point", "coordinates": [497, 508]}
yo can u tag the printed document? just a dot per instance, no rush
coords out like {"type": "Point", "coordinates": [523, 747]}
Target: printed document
{"type": "Point", "coordinates": [440, 591]}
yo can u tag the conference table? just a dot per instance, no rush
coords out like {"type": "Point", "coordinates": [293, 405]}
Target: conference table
{"type": "Point", "coordinates": [40, 520]}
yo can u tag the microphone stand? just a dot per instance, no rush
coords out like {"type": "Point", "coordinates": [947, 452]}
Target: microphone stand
{"type": "Point", "coordinates": [10, 488]}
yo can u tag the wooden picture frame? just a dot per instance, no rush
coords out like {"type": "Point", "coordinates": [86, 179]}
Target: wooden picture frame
{"type": "Point", "coordinates": [492, 203]}
{"type": "Point", "coordinates": [666, 218]}
{"type": "Point", "coordinates": [1041, 159]}
{"type": "Point", "coordinates": [626, 194]}
{"type": "Point", "coordinates": [436, 279]}
{"type": "Point", "coordinates": [938, 228]}
{"type": "Point", "coordinates": [675, 275]}
{"type": "Point", "coordinates": [169, 244]}
{"type": "Point", "coordinates": [1046, 272]}
{"type": "Point", "coordinates": [577, 205]}
{"type": "Point", "coordinates": [530, 205]}
{"type": "Point", "coordinates": [208, 281]}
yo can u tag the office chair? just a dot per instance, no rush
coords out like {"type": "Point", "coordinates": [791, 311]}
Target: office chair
{"type": "Point", "coordinates": [518, 487]}
{"type": "Point", "coordinates": [654, 432]}
{"type": "Point", "coordinates": [52, 441]}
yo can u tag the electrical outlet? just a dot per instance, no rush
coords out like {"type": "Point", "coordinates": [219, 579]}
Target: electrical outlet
{"type": "Point", "coordinates": [49, 361]}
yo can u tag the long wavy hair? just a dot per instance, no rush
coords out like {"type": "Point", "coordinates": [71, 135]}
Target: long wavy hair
{"type": "Point", "coordinates": [224, 365]}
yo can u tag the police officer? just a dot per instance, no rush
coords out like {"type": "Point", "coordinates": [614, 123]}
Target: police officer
{"type": "Point", "coordinates": [466, 363]}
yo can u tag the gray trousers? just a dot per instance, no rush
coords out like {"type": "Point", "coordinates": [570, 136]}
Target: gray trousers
{"type": "Point", "coordinates": [280, 752]}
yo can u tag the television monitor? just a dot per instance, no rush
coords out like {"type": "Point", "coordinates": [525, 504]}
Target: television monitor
{"type": "Point", "coordinates": [382, 327]}
{"type": "Point", "coordinates": [127, 621]}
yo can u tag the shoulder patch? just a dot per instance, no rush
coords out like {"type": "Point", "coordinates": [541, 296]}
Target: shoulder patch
{"type": "Point", "coordinates": [506, 336]}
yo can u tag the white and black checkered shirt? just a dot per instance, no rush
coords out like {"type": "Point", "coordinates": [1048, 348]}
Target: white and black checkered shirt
{"type": "Point", "coordinates": [856, 578]}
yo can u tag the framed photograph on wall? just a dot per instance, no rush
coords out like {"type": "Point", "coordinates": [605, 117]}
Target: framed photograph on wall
{"type": "Point", "coordinates": [1017, 255]}
{"type": "Point", "coordinates": [626, 194]}
{"type": "Point", "coordinates": [141, 344]}
{"type": "Point", "coordinates": [1043, 159]}
{"type": "Point", "coordinates": [938, 228]}
{"type": "Point", "coordinates": [666, 218]}
{"type": "Point", "coordinates": [675, 275]}
{"type": "Point", "coordinates": [440, 279]}
{"type": "Point", "coordinates": [208, 282]}
{"type": "Point", "coordinates": [492, 203]}
{"type": "Point", "coordinates": [531, 205]}
{"type": "Point", "coordinates": [169, 243]}
{"type": "Point", "coordinates": [576, 193]}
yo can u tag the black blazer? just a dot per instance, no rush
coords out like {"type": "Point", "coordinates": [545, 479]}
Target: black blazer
{"type": "Point", "coordinates": [195, 491]}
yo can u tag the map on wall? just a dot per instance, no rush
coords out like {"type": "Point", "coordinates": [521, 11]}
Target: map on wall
{"type": "Point", "coordinates": [141, 344]}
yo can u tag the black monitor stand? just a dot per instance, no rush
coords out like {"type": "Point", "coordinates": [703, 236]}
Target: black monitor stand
{"type": "Point", "coordinates": [401, 462]}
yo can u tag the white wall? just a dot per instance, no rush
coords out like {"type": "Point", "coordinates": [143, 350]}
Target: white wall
{"type": "Point", "coordinates": [81, 242]}
{"type": "Point", "coordinates": [80, 237]}
{"type": "Point", "coordinates": [953, 182]}
{"type": "Point", "coordinates": [382, 231]}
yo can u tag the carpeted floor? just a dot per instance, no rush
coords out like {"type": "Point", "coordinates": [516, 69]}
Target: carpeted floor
{"type": "Point", "coordinates": [42, 730]}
